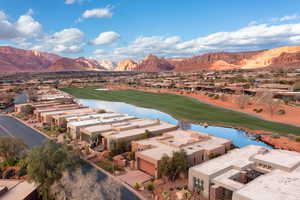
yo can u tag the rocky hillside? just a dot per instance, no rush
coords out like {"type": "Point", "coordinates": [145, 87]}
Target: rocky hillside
{"type": "Point", "coordinates": [126, 65]}
{"type": "Point", "coordinates": [17, 60]}
{"type": "Point", "coordinates": [109, 65]}
{"type": "Point", "coordinates": [277, 57]}
{"type": "Point", "coordinates": [78, 64]}
{"type": "Point", "coordinates": [150, 64]}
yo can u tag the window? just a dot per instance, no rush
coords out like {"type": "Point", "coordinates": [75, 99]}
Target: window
{"type": "Point", "coordinates": [198, 184]}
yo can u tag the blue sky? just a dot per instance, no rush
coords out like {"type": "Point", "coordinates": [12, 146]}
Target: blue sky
{"type": "Point", "coordinates": [119, 29]}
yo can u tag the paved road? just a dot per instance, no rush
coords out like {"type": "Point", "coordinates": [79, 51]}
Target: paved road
{"type": "Point", "coordinates": [14, 128]}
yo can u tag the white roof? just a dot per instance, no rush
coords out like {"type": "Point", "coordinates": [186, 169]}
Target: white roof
{"type": "Point", "coordinates": [180, 139]}
{"type": "Point", "coordinates": [237, 157]}
{"type": "Point", "coordinates": [17, 189]}
{"type": "Point", "coordinates": [277, 185]}
{"type": "Point", "coordinates": [287, 159]}
{"type": "Point", "coordinates": [99, 121]}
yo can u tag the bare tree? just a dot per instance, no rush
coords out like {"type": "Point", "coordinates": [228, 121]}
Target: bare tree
{"type": "Point", "coordinates": [242, 101]}
{"type": "Point", "coordinates": [267, 99]}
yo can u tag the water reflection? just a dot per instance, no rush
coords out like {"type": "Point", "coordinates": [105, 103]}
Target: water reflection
{"type": "Point", "coordinates": [239, 138]}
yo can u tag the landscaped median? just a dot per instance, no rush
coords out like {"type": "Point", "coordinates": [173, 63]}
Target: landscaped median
{"type": "Point", "coordinates": [183, 108]}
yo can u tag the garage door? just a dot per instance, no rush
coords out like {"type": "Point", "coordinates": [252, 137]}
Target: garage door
{"type": "Point", "coordinates": [146, 166]}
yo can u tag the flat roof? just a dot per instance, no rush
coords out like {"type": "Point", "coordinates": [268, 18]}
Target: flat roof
{"type": "Point", "coordinates": [72, 110]}
{"type": "Point", "coordinates": [225, 180]}
{"type": "Point", "coordinates": [139, 131]}
{"type": "Point", "coordinates": [99, 121]}
{"type": "Point", "coordinates": [96, 115]}
{"type": "Point", "coordinates": [137, 123]}
{"type": "Point", "coordinates": [276, 185]}
{"type": "Point", "coordinates": [287, 159]}
{"type": "Point", "coordinates": [188, 140]}
{"type": "Point", "coordinates": [238, 158]}
{"type": "Point", "coordinates": [17, 189]}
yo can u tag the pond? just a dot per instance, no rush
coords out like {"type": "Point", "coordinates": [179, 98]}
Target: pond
{"type": "Point", "coordinates": [239, 138]}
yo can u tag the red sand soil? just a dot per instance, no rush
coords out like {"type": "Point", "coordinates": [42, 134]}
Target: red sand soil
{"type": "Point", "coordinates": [282, 143]}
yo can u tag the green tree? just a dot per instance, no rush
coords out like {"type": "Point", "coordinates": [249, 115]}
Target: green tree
{"type": "Point", "coordinates": [172, 167]}
{"type": "Point", "coordinates": [163, 167]}
{"type": "Point", "coordinates": [11, 147]}
{"type": "Point", "coordinates": [296, 86]}
{"type": "Point", "coordinates": [45, 165]}
{"type": "Point", "coordinates": [27, 109]}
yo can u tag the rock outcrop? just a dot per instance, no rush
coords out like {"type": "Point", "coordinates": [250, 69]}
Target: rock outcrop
{"type": "Point", "coordinates": [19, 60]}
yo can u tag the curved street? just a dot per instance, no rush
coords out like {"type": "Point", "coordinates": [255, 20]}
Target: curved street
{"type": "Point", "coordinates": [9, 126]}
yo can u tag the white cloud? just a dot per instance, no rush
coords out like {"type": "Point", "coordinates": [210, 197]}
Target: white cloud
{"type": "Point", "coordinates": [106, 38]}
{"type": "Point", "coordinates": [98, 13]}
{"type": "Point", "coordinates": [65, 41]}
{"type": "Point", "coordinates": [100, 52]}
{"type": "Point", "coordinates": [69, 2]}
{"type": "Point", "coordinates": [289, 17]}
{"type": "Point", "coordinates": [27, 26]}
{"type": "Point", "coordinates": [251, 37]}
{"type": "Point", "coordinates": [24, 27]}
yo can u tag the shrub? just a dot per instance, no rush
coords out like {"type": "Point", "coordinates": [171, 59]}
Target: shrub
{"type": "Point", "coordinates": [131, 155]}
{"type": "Point", "coordinates": [101, 111]}
{"type": "Point", "coordinates": [8, 174]}
{"type": "Point", "coordinates": [297, 139]}
{"type": "Point", "coordinates": [22, 163]}
{"type": "Point", "coordinates": [258, 110]}
{"type": "Point", "coordinates": [281, 112]}
{"type": "Point", "coordinates": [27, 109]}
{"type": "Point", "coordinates": [211, 95]}
{"type": "Point", "coordinates": [150, 187]}
{"type": "Point", "coordinates": [10, 162]}
{"type": "Point", "coordinates": [216, 96]}
{"type": "Point", "coordinates": [22, 172]}
{"type": "Point", "coordinates": [137, 186]}
{"type": "Point", "coordinates": [275, 136]}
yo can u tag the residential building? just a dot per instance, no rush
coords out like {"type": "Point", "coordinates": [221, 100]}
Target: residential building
{"type": "Point", "coordinates": [74, 127]}
{"type": "Point", "coordinates": [125, 131]}
{"type": "Point", "coordinates": [198, 146]}
{"type": "Point", "coordinates": [17, 190]}
{"type": "Point", "coordinates": [250, 173]}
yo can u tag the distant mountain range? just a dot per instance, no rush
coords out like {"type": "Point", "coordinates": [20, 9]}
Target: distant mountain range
{"type": "Point", "coordinates": [19, 60]}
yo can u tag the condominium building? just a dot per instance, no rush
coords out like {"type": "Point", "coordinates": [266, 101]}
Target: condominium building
{"type": "Point", "coordinates": [126, 131]}
{"type": "Point", "coordinates": [250, 173]}
{"type": "Point", "coordinates": [198, 146]}
{"type": "Point", "coordinates": [75, 127]}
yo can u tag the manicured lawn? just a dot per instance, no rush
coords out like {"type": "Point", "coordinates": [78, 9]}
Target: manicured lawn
{"type": "Point", "coordinates": [182, 108]}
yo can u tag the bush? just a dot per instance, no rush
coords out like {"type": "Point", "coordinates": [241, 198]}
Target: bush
{"type": "Point", "coordinates": [131, 155]}
{"type": "Point", "coordinates": [211, 95]}
{"type": "Point", "coordinates": [297, 139]}
{"type": "Point", "coordinates": [258, 110]}
{"type": "Point", "coordinates": [8, 174]}
{"type": "Point", "coordinates": [22, 163]}
{"type": "Point", "coordinates": [27, 109]}
{"type": "Point", "coordinates": [216, 96]}
{"type": "Point", "coordinates": [22, 172]}
{"type": "Point", "coordinates": [137, 186]}
{"type": "Point", "coordinates": [281, 112]}
{"type": "Point", "coordinates": [10, 162]}
{"type": "Point", "coordinates": [275, 136]}
{"type": "Point", "coordinates": [101, 111]}
{"type": "Point", "coordinates": [150, 187]}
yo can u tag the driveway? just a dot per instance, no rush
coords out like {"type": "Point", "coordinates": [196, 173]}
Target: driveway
{"type": "Point", "coordinates": [14, 128]}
